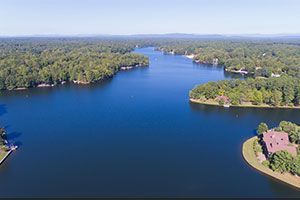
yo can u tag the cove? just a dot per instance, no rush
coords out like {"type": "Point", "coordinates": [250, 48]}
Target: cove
{"type": "Point", "coordinates": [134, 135]}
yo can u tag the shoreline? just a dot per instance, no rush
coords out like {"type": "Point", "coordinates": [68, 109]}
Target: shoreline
{"type": "Point", "coordinates": [5, 156]}
{"type": "Point", "coordinates": [191, 56]}
{"type": "Point", "coordinates": [214, 103]}
{"type": "Point", "coordinates": [251, 160]}
{"type": "Point", "coordinates": [75, 82]}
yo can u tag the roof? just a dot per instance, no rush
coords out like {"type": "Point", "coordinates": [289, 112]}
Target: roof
{"type": "Point", "coordinates": [278, 141]}
{"type": "Point", "coordinates": [222, 97]}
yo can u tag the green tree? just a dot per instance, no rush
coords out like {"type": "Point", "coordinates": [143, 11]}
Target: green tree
{"type": "Point", "coordinates": [297, 95]}
{"type": "Point", "coordinates": [257, 97]}
{"type": "Point", "coordinates": [262, 128]}
{"type": "Point", "coordinates": [288, 93]}
{"type": "Point", "coordinates": [235, 98]}
{"type": "Point", "coordinates": [295, 169]}
{"type": "Point", "coordinates": [281, 161]}
{"type": "Point", "coordinates": [287, 126]}
{"type": "Point", "coordinates": [294, 136]}
{"type": "Point", "coordinates": [221, 102]}
{"type": "Point", "coordinates": [3, 136]}
{"type": "Point", "coordinates": [292, 129]}
{"type": "Point", "coordinates": [276, 98]}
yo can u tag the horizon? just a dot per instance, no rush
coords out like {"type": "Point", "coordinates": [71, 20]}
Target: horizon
{"type": "Point", "coordinates": [158, 35]}
{"type": "Point", "coordinates": [142, 17]}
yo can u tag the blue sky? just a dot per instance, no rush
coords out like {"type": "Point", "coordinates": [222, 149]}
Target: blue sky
{"type": "Point", "coordinates": [68, 17]}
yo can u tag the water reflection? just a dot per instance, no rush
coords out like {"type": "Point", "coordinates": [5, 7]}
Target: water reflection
{"type": "Point", "coordinates": [272, 115]}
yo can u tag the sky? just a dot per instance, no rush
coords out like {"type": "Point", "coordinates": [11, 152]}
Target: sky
{"type": "Point", "coordinates": [125, 17]}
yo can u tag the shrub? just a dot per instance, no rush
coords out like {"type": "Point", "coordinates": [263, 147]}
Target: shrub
{"type": "Point", "coordinates": [266, 163]}
{"type": "Point", "coordinates": [281, 161]}
{"type": "Point", "coordinates": [257, 147]}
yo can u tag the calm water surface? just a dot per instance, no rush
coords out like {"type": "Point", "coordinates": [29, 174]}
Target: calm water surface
{"type": "Point", "coordinates": [134, 135]}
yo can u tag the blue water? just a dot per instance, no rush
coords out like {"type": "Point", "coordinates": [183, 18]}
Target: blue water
{"type": "Point", "coordinates": [134, 135]}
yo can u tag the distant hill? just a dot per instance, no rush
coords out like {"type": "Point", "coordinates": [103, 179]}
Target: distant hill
{"type": "Point", "coordinates": [171, 35]}
{"type": "Point", "coordinates": [178, 35]}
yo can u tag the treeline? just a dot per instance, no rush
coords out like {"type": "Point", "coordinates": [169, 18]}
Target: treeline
{"type": "Point", "coordinates": [258, 58]}
{"type": "Point", "coordinates": [29, 62]}
{"type": "Point", "coordinates": [272, 65]}
{"type": "Point", "coordinates": [283, 91]}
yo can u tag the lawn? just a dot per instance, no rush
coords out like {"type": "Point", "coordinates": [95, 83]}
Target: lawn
{"type": "Point", "coordinates": [3, 154]}
{"type": "Point", "coordinates": [249, 156]}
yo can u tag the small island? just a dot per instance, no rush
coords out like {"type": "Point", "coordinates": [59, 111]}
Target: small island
{"type": "Point", "coordinates": [276, 152]}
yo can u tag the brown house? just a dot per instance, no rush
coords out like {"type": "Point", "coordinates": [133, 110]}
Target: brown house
{"type": "Point", "coordinates": [223, 98]}
{"type": "Point", "coordinates": [277, 141]}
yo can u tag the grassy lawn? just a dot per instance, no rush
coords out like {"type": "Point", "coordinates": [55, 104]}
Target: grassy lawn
{"type": "Point", "coordinates": [249, 156]}
{"type": "Point", "coordinates": [2, 154]}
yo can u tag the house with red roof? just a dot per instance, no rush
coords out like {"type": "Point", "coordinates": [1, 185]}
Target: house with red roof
{"type": "Point", "coordinates": [278, 141]}
{"type": "Point", "coordinates": [223, 98]}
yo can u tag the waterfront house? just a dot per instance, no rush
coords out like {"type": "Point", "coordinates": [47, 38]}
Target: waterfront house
{"type": "Point", "coordinates": [223, 98]}
{"type": "Point", "coordinates": [277, 141]}
{"type": "Point", "coordinates": [215, 61]}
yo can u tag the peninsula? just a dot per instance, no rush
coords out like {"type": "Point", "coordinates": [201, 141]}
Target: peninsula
{"type": "Point", "coordinates": [275, 152]}
{"type": "Point", "coordinates": [42, 63]}
{"type": "Point", "coordinates": [5, 147]}
{"type": "Point", "coordinates": [283, 92]}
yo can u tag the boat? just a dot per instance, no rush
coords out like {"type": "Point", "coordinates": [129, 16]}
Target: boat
{"type": "Point", "coordinates": [12, 147]}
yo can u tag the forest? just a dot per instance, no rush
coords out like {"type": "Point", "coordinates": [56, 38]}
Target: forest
{"type": "Point", "coordinates": [283, 91]}
{"type": "Point", "coordinates": [264, 58]}
{"type": "Point", "coordinates": [30, 62]}
{"type": "Point", "coordinates": [272, 70]}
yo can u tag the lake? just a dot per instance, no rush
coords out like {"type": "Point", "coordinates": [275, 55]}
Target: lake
{"type": "Point", "coordinates": [136, 134]}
